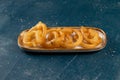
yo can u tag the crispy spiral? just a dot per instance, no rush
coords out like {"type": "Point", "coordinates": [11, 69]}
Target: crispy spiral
{"type": "Point", "coordinates": [41, 36]}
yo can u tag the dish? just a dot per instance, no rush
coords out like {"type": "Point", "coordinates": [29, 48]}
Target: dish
{"type": "Point", "coordinates": [101, 34]}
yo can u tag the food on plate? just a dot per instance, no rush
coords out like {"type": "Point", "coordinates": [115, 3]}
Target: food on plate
{"type": "Point", "coordinates": [41, 36]}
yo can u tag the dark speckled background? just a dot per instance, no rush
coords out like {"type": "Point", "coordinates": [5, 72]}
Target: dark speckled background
{"type": "Point", "coordinates": [17, 15]}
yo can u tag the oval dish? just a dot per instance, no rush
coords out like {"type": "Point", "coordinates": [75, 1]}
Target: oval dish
{"type": "Point", "coordinates": [102, 34]}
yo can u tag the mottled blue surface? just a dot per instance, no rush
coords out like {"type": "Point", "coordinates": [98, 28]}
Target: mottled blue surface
{"type": "Point", "coordinates": [18, 15]}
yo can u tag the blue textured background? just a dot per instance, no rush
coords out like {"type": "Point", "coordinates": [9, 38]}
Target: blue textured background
{"type": "Point", "coordinates": [18, 15]}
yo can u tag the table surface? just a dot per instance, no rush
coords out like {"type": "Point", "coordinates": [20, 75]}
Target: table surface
{"type": "Point", "coordinates": [18, 15]}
